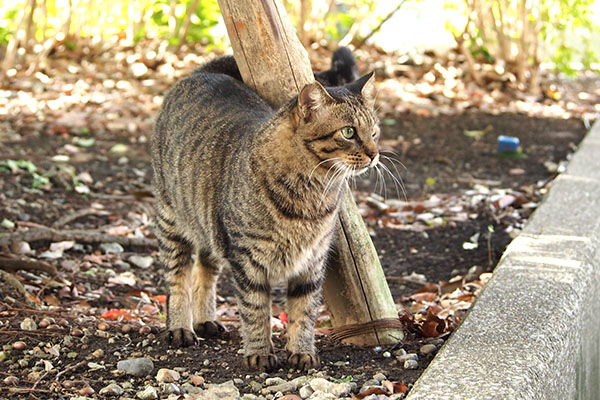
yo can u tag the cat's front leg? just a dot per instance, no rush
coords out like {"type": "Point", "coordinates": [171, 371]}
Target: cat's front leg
{"type": "Point", "coordinates": [303, 300]}
{"type": "Point", "coordinates": [254, 303]}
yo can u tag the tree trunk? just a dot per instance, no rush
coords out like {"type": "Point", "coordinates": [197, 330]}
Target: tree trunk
{"type": "Point", "coordinates": [273, 62]}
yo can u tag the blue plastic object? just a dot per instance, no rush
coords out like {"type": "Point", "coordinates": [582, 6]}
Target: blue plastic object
{"type": "Point", "coordinates": [507, 144]}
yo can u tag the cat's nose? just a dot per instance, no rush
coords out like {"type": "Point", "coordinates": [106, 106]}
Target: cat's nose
{"type": "Point", "coordinates": [374, 156]}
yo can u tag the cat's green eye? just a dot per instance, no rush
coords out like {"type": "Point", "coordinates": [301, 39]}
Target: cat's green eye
{"type": "Point", "coordinates": [348, 132]}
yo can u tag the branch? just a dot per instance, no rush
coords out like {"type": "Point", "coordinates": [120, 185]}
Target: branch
{"type": "Point", "coordinates": [362, 41]}
{"type": "Point", "coordinates": [82, 236]}
{"type": "Point", "coordinates": [460, 42]}
{"type": "Point", "coordinates": [186, 21]}
{"type": "Point", "coordinates": [11, 263]}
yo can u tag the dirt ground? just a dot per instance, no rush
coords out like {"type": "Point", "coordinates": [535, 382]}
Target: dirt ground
{"type": "Point", "coordinates": [439, 160]}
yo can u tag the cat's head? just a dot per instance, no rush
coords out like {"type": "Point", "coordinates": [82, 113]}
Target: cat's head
{"type": "Point", "coordinates": [338, 126]}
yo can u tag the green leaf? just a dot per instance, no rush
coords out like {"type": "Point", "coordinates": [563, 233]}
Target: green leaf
{"type": "Point", "coordinates": [430, 181]}
{"type": "Point", "coordinates": [7, 223]}
{"type": "Point", "coordinates": [84, 142]}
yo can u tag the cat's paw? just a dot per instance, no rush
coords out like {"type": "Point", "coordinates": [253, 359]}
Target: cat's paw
{"type": "Point", "coordinates": [260, 362]}
{"type": "Point", "coordinates": [209, 329]}
{"type": "Point", "coordinates": [181, 338]}
{"type": "Point", "coordinates": [303, 361]}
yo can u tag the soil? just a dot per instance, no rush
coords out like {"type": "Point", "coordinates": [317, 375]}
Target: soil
{"type": "Point", "coordinates": [438, 158]}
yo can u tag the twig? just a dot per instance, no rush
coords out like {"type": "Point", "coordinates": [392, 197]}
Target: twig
{"type": "Point", "coordinates": [83, 236]}
{"type": "Point", "coordinates": [43, 332]}
{"type": "Point", "coordinates": [13, 264]}
{"type": "Point", "coordinates": [11, 280]}
{"type": "Point", "coordinates": [350, 330]}
{"type": "Point", "coordinates": [76, 215]}
{"type": "Point", "coordinates": [69, 368]}
{"type": "Point", "coordinates": [363, 40]}
{"type": "Point", "coordinates": [61, 312]}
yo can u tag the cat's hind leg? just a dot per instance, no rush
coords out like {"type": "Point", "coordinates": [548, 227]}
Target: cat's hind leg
{"type": "Point", "coordinates": [175, 253]}
{"type": "Point", "coordinates": [205, 275]}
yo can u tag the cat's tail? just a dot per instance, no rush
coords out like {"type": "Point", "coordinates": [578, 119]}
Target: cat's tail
{"type": "Point", "coordinates": [343, 69]}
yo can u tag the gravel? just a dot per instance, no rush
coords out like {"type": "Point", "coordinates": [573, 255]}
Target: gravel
{"type": "Point", "coordinates": [136, 366]}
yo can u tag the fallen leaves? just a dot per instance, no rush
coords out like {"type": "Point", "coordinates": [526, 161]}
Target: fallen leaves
{"type": "Point", "coordinates": [387, 388]}
{"type": "Point", "coordinates": [437, 309]}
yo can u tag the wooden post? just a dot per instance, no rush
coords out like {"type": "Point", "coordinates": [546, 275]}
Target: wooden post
{"type": "Point", "coordinates": [273, 62]}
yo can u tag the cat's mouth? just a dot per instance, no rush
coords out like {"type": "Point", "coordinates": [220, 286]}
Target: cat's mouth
{"type": "Point", "coordinates": [374, 161]}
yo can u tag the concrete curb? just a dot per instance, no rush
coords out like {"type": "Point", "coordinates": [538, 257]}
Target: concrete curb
{"type": "Point", "coordinates": [534, 333]}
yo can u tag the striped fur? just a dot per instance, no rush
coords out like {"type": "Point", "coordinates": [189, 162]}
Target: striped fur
{"type": "Point", "coordinates": [246, 187]}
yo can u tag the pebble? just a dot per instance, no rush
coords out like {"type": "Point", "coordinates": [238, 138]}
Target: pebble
{"type": "Point", "coordinates": [197, 380]}
{"type": "Point", "coordinates": [114, 248]}
{"type": "Point", "coordinates": [249, 396]}
{"type": "Point", "coordinates": [19, 345]}
{"type": "Point", "coordinates": [136, 366]}
{"type": "Point", "coordinates": [141, 261]}
{"type": "Point", "coordinates": [321, 385]}
{"type": "Point", "coordinates": [408, 356]}
{"type": "Point", "coordinates": [169, 388]}
{"type": "Point", "coordinates": [318, 395]}
{"type": "Point", "coordinates": [10, 380]}
{"type": "Point", "coordinates": [399, 352]}
{"type": "Point", "coordinates": [342, 389]}
{"type": "Point", "coordinates": [4, 356]}
{"type": "Point", "coordinates": [428, 349]}
{"type": "Point", "coordinates": [98, 353]}
{"type": "Point", "coordinates": [306, 391]}
{"type": "Point", "coordinates": [149, 393]}
{"type": "Point", "coordinates": [28, 325]}
{"type": "Point", "coordinates": [301, 381]}
{"type": "Point", "coordinates": [379, 377]}
{"type": "Point", "coordinates": [190, 389]}
{"type": "Point", "coordinates": [225, 390]}
{"type": "Point", "coordinates": [21, 248]}
{"type": "Point", "coordinates": [87, 391]}
{"type": "Point", "coordinates": [411, 364]}
{"type": "Point", "coordinates": [274, 381]}
{"type": "Point", "coordinates": [282, 387]}
{"type": "Point", "coordinates": [166, 375]}
{"type": "Point", "coordinates": [112, 390]}
{"type": "Point", "coordinates": [387, 354]}
{"type": "Point", "coordinates": [255, 386]}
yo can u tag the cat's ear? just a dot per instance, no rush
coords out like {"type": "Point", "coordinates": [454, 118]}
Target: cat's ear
{"type": "Point", "coordinates": [312, 97]}
{"type": "Point", "coordinates": [365, 86]}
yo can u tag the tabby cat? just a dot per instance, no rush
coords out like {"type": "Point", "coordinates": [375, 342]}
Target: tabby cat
{"type": "Point", "coordinates": [243, 186]}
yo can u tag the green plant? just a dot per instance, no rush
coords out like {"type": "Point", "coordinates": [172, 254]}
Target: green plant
{"type": "Point", "coordinates": [521, 34]}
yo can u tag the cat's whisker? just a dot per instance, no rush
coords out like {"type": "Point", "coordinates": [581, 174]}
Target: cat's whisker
{"type": "Point", "coordinates": [383, 184]}
{"type": "Point", "coordinates": [333, 167]}
{"type": "Point", "coordinates": [377, 179]}
{"type": "Point", "coordinates": [399, 175]}
{"type": "Point", "coordinates": [317, 166]}
{"type": "Point", "coordinates": [394, 160]}
{"type": "Point", "coordinates": [394, 165]}
{"type": "Point", "coordinates": [339, 171]}
{"type": "Point", "coordinates": [396, 181]}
